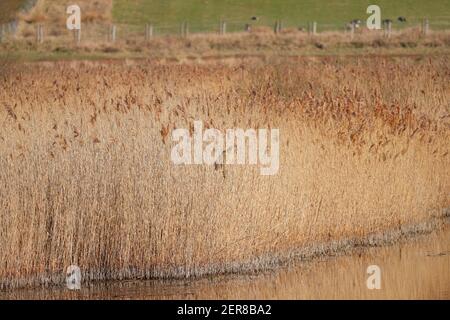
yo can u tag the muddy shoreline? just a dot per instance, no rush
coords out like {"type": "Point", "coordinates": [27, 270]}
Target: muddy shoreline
{"type": "Point", "coordinates": [266, 263]}
{"type": "Point", "coordinates": [413, 267]}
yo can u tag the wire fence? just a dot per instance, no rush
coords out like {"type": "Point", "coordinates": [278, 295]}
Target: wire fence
{"type": "Point", "coordinates": [113, 32]}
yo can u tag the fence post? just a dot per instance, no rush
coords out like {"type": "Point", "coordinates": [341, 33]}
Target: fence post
{"type": "Point", "coordinates": [387, 28]}
{"type": "Point", "coordinates": [14, 26]}
{"type": "Point", "coordinates": [312, 28]}
{"type": "Point", "coordinates": [223, 27]}
{"type": "Point", "coordinates": [77, 36]}
{"type": "Point", "coordinates": [112, 35]}
{"type": "Point", "coordinates": [425, 26]}
{"type": "Point", "coordinates": [148, 31]}
{"type": "Point", "coordinates": [248, 27]}
{"type": "Point", "coordinates": [184, 29]}
{"type": "Point", "coordinates": [39, 34]}
{"type": "Point", "coordinates": [277, 28]}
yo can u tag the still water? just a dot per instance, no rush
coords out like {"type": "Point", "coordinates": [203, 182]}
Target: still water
{"type": "Point", "coordinates": [417, 268]}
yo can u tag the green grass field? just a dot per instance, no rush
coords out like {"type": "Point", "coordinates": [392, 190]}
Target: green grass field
{"type": "Point", "coordinates": [204, 15]}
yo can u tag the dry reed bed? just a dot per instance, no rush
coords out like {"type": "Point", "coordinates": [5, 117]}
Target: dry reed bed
{"type": "Point", "coordinates": [87, 179]}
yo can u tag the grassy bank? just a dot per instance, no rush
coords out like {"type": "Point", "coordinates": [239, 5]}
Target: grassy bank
{"type": "Point", "coordinates": [262, 43]}
{"type": "Point", "coordinates": [205, 14]}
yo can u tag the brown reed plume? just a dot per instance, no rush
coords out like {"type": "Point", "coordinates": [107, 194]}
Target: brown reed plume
{"type": "Point", "coordinates": [87, 178]}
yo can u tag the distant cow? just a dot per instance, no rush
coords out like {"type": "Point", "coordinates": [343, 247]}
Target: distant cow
{"type": "Point", "coordinates": [401, 19]}
{"type": "Point", "coordinates": [356, 22]}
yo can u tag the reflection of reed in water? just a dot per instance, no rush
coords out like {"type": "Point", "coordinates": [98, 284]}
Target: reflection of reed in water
{"type": "Point", "coordinates": [414, 268]}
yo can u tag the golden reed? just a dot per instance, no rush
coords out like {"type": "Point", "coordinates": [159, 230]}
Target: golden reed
{"type": "Point", "coordinates": [86, 176]}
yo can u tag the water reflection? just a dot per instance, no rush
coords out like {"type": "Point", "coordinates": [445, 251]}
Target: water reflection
{"type": "Point", "coordinates": [415, 269]}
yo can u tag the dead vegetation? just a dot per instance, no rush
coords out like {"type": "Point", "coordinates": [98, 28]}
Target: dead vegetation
{"type": "Point", "coordinates": [87, 179]}
{"type": "Point", "coordinates": [52, 14]}
{"type": "Point", "coordinates": [131, 43]}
